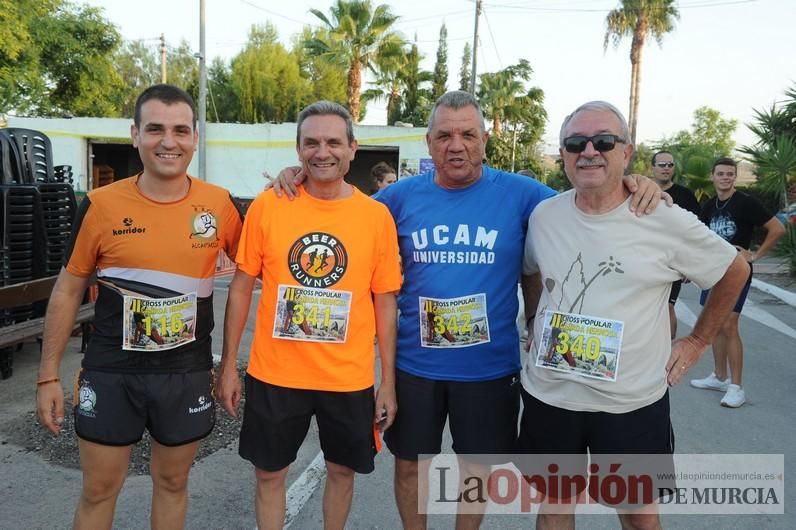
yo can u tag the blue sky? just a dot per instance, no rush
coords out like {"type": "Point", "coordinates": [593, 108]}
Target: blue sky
{"type": "Point", "coordinates": [732, 55]}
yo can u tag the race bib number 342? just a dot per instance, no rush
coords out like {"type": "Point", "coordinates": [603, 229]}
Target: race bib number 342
{"type": "Point", "coordinates": [453, 322]}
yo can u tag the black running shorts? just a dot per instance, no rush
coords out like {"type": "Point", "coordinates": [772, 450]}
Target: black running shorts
{"type": "Point", "coordinates": [548, 430]}
{"type": "Point", "coordinates": [482, 416]}
{"type": "Point", "coordinates": [115, 408]}
{"type": "Point", "coordinates": [276, 420]}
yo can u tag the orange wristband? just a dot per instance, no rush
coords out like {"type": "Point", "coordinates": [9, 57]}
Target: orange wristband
{"type": "Point", "coordinates": [45, 381]}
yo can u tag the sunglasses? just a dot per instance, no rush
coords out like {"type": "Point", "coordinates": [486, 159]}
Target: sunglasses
{"type": "Point", "coordinates": [601, 142]}
{"type": "Point", "coordinates": [664, 164]}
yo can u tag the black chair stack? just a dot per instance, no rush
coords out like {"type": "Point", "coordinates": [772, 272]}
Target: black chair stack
{"type": "Point", "coordinates": [37, 211]}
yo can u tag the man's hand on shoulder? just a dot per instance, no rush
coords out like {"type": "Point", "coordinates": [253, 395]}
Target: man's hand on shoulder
{"type": "Point", "coordinates": [286, 182]}
{"type": "Point", "coordinates": [646, 194]}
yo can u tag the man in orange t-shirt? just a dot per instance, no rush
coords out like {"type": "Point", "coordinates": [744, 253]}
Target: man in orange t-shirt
{"type": "Point", "coordinates": [153, 241]}
{"type": "Point", "coordinates": [330, 270]}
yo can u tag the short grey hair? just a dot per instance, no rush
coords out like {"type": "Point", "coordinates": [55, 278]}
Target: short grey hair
{"type": "Point", "coordinates": [456, 99]}
{"type": "Point", "coordinates": [600, 106]}
{"type": "Point", "coordinates": [326, 108]}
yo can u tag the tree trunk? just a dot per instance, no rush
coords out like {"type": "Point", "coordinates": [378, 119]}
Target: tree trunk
{"type": "Point", "coordinates": [392, 104]}
{"type": "Point", "coordinates": [496, 126]}
{"type": "Point", "coordinates": [630, 108]}
{"type": "Point", "coordinates": [636, 48]}
{"type": "Point", "coordinates": [354, 86]}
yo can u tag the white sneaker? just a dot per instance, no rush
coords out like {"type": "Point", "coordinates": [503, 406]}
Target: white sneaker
{"type": "Point", "coordinates": [711, 382]}
{"type": "Point", "coordinates": [734, 398]}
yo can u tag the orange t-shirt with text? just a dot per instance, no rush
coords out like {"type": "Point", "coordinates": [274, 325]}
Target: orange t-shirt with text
{"type": "Point", "coordinates": [315, 256]}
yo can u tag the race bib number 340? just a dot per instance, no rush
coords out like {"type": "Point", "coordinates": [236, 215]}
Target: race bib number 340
{"type": "Point", "coordinates": [453, 322]}
{"type": "Point", "coordinates": [309, 314]}
{"type": "Point", "coordinates": [581, 344]}
{"type": "Point", "coordinates": [154, 324]}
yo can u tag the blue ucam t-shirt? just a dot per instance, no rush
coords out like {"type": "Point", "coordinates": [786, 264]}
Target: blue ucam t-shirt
{"type": "Point", "coordinates": [462, 257]}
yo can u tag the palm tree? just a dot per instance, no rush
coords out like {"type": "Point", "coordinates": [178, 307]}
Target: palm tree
{"type": "Point", "coordinates": [358, 35]}
{"type": "Point", "coordinates": [774, 157]}
{"type": "Point", "coordinates": [639, 19]}
{"type": "Point", "coordinates": [387, 85]}
{"type": "Point", "coordinates": [501, 93]}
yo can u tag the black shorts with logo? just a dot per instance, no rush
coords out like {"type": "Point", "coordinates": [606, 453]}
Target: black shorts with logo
{"type": "Point", "coordinates": [482, 416]}
{"type": "Point", "coordinates": [114, 408]}
{"type": "Point", "coordinates": [276, 420]}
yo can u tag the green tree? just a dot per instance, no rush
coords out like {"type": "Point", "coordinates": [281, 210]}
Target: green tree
{"type": "Point", "coordinates": [518, 117]}
{"type": "Point", "coordinates": [21, 85]}
{"type": "Point", "coordinates": [56, 59]}
{"type": "Point", "coordinates": [182, 68]}
{"type": "Point", "coordinates": [465, 70]}
{"type": "Point", "coordinates": [224, 105]}
{"type": "Point", "coordinates": [709, 128]}
{"type": "Point", "coordinates": [774, 157]}
{"type": "Point", "coordinates": [642, 160]}
{"type": "Point", "coordinates": [639, 19]}
{"type": "Point", "coordinates": [695, 149]}
{"type": "Point", "coordinates": [388, 84]}
{"type": "Point", "coordinates": [501, 92]}
{"type": "Point", "coordinates": [440, 84]}
{"type": "Point", "coordinates": [76, 46]}
{"type": "Point", "coordinates": [416, 96]}
{"type": "Point", "coordinates": [138, 65]}
{"type": "Point", "coordinates": [266, 78]}
{"type": "Point", "coordinates": [357, 34]}
{"type": "Point", "coordinates": [325, 79]}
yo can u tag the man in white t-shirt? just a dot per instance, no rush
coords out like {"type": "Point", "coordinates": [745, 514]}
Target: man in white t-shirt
{"type": "Point", "coordinates": [601, 361]}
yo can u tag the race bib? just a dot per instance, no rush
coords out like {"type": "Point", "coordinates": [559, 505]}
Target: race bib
{"type": "Point", "coordinates": [580, 344]}
{"type": "Point", "coordinates": [309, 314]}
{"type": "Point", "coordinates": [453, 322]}
{"type": "Point", "coordinates": [156, 324]}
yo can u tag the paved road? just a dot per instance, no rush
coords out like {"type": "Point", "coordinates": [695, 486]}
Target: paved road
{"type": "Point", "coordinates": [34, 494]}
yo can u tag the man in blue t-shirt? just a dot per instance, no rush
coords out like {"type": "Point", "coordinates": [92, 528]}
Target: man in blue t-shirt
{"type": "Point", "coordinates": [461, 232]}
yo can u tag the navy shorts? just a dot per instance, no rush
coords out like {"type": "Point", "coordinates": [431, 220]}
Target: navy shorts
{"type": "Point", "coordinates": [115, 408]}
{"type": "Point", "coordinates": [741, 298]}
{"type": "Point", "coordinates": [276, 420]}
{"type": "Point", "coordinates": [482, 416]}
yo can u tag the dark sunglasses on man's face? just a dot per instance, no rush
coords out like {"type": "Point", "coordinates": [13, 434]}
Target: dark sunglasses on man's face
{"type": "Point", "coordinates": [664, 164]}
{"type": "Point", "coordinates": [601, 142]}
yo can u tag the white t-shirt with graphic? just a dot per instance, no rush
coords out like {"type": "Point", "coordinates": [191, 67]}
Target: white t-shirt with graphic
{"type": "Point", "coordinates": [607, 272]}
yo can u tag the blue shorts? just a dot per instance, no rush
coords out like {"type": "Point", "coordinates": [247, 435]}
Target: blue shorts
{"type": "Point", "coordinates": [741, 298]}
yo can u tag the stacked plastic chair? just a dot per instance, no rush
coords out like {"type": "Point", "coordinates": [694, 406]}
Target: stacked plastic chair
{"type": "Point", "coordinates": [37, 211]}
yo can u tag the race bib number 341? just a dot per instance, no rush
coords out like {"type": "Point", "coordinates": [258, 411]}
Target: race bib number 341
{"type": "Point", "coordinates": [152, 324]}
{"type": "Point", "coordinates": [581, 344]}
{"type": "Point", "coordinates": [309, 314]}
{"type": "Point", "coordinates": [453, 322]}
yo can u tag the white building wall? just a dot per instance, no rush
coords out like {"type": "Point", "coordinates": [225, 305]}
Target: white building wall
{"type": "Point", "coordinates": [237, 154]}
